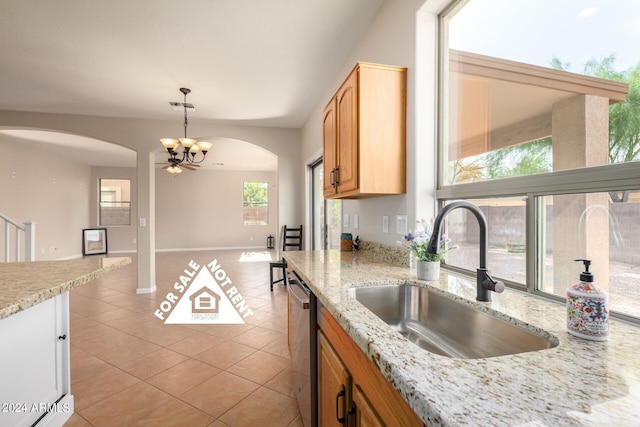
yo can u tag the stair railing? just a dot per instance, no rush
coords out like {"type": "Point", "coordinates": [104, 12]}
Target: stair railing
{"type": "Point", "coordinates": [29, 230]}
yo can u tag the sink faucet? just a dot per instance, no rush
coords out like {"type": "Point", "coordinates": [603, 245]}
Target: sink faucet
{"type": "Point", "coordinates": [484, 281]}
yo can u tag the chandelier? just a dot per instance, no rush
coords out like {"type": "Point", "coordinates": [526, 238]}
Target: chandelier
{"type": "Point", "coordinates": [190, 147]}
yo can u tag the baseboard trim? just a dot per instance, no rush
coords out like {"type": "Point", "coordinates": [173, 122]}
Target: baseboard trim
{"type": "Point", "coordinates": [217, 248]}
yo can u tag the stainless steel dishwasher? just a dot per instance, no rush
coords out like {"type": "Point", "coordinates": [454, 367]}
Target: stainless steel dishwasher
{"type": "Point", "coordinates": [303, 338]}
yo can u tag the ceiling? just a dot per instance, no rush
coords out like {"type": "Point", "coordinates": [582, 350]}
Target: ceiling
{"type": "Point", "coordinates": [247, 62]}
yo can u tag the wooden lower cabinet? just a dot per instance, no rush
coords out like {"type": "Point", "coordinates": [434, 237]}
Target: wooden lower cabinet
{"type": "Point", "coordinates": [334, 386]}
{"type": "Point", "coordinates": [366, 415]}
{"type": "Point", "coordinates": [351, 389]}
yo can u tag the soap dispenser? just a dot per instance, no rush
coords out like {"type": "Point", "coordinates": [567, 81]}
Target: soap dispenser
{"type": "Point", "coordinates": [587, 308]}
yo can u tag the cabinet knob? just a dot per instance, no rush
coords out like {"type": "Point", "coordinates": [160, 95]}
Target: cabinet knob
{"type": "Point", "coordinates": [62, 337]}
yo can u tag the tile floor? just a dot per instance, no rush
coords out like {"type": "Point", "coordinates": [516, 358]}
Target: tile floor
{"type": "Point", "coordinates": [130, 369]}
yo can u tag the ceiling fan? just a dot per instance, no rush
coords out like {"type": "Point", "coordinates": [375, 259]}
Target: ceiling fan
{"type": "Point", "coordinates": [173, 162]}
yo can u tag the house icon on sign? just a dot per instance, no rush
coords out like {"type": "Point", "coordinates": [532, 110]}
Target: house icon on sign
{"type": "Point", "coordinates": [205, 301]}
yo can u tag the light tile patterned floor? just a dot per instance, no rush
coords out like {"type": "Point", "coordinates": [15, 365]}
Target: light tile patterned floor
{"type": "Point", "coordinates": [130, 369]}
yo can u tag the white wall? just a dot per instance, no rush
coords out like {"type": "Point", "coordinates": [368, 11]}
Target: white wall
{"type": "Point", "coordinates": [404, 33]}
{"type": "Point", "coordinates": [209, 214]}
{"type": "Point", "coordinates": [49, 190]}
{"type": "Point", "coordinates": [143, 136]}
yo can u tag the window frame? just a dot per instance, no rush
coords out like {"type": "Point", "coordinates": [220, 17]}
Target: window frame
{"type": "Point", "coordinates": [604, 178]}
{"type": "Point", "coordinates": [100, 202]}
{"type": "Point", "coordinates": [244, 221]}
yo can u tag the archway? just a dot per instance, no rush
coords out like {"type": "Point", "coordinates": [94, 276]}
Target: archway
{"type": "Point", "coordinates": [203, 209]}
{"type": "Point", "coordinates": [49, 181]}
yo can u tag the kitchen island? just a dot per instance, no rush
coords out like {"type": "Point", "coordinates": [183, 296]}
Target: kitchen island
{"type": "Point", "coordinates": [576, 383]}
{"type": "Point", "coordinates": [34, 337]}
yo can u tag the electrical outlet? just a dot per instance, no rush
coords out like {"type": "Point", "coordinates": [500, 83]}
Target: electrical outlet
{"type": "Point", "coordinates": [385, 224]}
{"type": "Point", "coordinates": [356, 221]}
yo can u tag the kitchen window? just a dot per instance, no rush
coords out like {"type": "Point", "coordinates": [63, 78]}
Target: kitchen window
{"type": "Point", "coordinates": [541, 129]}
{"type": "Point", "coordinates": [506, 222]}
{"type": "Point", "coordinates": [255, 208]}
{"type": "Point", "coordinates": [115, 202]}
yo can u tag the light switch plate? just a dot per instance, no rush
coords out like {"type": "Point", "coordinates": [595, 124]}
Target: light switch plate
{"type": "Point", "coordinates": [401, 224]}
{"type": "Point", "coordinates": [356, 221]}
{"type": "Point", "coordinates": [385, 224]}
{"type": "Point", "coordinates": [345, 220]}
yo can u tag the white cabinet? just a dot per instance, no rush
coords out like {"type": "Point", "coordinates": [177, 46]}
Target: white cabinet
{"type": "Point", "coordinates": [34, 365]}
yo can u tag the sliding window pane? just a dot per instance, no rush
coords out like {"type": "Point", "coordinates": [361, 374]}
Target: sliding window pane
{"type": "Point", "coordinates": [507, 243]}
{"type": "Point", "coordinates": [602, 227]}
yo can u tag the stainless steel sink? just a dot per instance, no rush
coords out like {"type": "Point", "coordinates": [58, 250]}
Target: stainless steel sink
{"type": "Point", "coordinates": [447, 327]}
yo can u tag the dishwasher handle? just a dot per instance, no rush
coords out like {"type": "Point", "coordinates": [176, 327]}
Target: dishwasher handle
{"type": "Point", "coordinates": [300, 293]}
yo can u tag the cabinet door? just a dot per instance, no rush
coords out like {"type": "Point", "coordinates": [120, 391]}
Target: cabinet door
{"type": "Point", "coordinates": [329, 149]}
{"type": "Point", "coordinates": [34, 364]}
{"type": "Point", "coordinates": [366, 415]}
{"type": "Point", "coordinates": [347, 114]}
{"type": "Point", "coordinates": [333, 386]}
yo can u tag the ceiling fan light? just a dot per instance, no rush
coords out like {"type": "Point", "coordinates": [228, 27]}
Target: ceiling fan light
{"type": "Point", "coordinates": [174, 170]}
{"type": "Point", "coordinates": [168, 143]}
{"type": "Point", "coordinates": [187, 142]}
{"type": "Point", "coordinates": [205, 146]}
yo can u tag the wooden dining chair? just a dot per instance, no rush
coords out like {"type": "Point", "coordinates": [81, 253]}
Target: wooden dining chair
{"type": "Point", "coordinates": [291, 240]}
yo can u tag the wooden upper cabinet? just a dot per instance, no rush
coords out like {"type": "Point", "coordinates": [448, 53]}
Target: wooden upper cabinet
{"type": "Point", "coordinates": [347, 139]}
{"type": "Point", "coordinates": [364, 128]}
{"type": "Point", "coordinates": [329, 148]}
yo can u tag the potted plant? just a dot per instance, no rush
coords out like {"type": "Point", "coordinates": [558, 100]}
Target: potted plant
{"type": "Point", "coordinates": [428, 265]}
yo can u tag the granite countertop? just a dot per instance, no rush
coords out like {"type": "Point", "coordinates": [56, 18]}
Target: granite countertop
{"type": "Point", "coordinates": [25, 284]}
{"type": "Point", "coordinates": [577, 383]}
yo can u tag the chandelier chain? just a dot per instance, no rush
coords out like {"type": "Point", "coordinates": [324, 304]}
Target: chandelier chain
{"type": "Point", "coordinates": [186, 121]}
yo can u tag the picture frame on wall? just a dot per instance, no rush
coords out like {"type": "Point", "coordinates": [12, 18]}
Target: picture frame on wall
{"type": "Point", "coordinates": [94, 241]}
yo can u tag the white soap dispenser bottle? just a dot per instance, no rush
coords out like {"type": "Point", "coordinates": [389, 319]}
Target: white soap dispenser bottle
{"type": "Point", "coordinates": [587, 308]}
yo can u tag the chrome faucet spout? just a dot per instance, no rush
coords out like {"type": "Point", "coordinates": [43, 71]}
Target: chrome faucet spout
{"type": "Point", "coordinates": [484, 281]}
